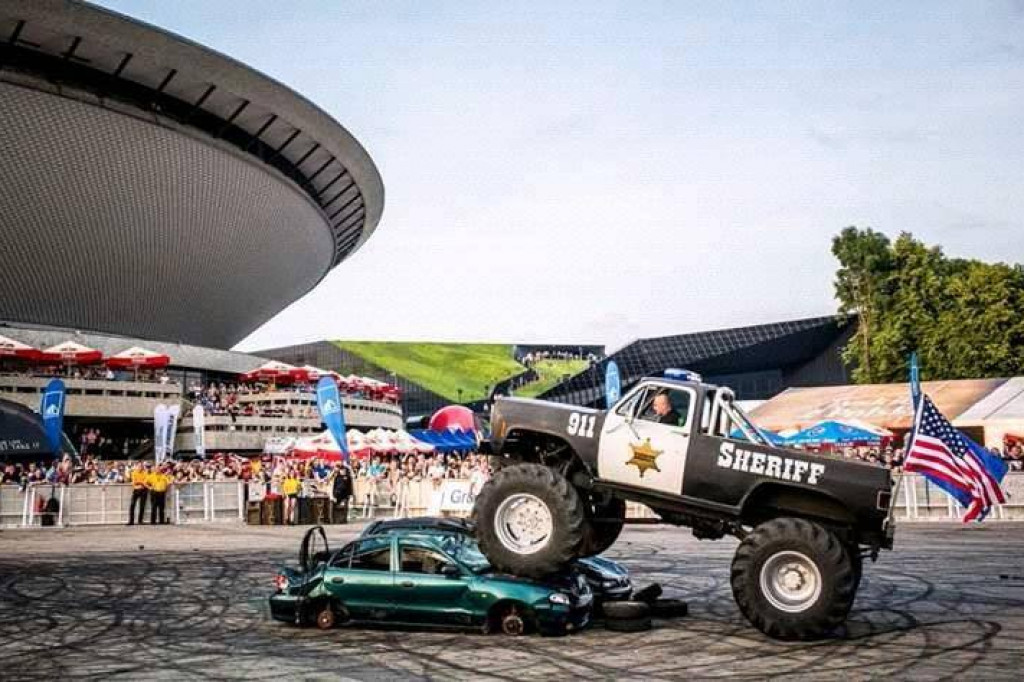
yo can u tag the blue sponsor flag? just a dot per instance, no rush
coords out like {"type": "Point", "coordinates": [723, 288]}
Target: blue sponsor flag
{"type": "Point", "coordinates": [915, 379]}
{"type": "Point", "coordinates": [52, 410]}
{"type": "Point", "coordinates": [612, 384]}
{"type": "Point", "coordinates": [328, 401]}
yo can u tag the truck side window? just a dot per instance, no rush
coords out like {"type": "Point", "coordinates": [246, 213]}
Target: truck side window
{"type": "Point", "coordinates": [629, 407]}
{"type": "Point", "coordinates": [668, 406]}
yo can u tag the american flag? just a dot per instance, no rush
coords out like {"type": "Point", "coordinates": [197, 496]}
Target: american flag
{"type": "Point", "coordinates": [954, 462]}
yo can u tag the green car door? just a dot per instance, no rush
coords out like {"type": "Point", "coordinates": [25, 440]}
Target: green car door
{"type": "Point", "coordinates": [431, 588]}
{"type": "Point", "coordinates": [361, 578]}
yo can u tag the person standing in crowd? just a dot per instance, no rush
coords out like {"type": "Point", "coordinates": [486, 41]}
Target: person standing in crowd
{"type": "Point", "coordinates": [290, 487]}
{"type": "Point", "coordinates": [140, 492]}
{"type": "Point", "coordinates": [341, 491]}
{"type": "Point", "coordinates": [159, 481]}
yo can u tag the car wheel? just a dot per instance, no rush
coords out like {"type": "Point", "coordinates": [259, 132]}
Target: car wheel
{"type": "Point", "coordinates": [529, 520]}
{"type": "Point", "coordinates": [626, 610]}
{"type": "Point", "coordinates": [793, 579]}
{"type": "Point", "coordinates": [509, 620]}
{"type": "Point", "coordinates": [325, 617]}
{"type": "Point", "coordinates": [629, 624]}
{"type": "Point", "coordinates": [669, 608]}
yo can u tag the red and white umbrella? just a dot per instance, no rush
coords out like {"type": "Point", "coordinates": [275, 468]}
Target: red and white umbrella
{"type": "Point", "coordinates": [314, 374]}
{"type": "Point", "coordinates": [138, 357]}
{"type": "Point", "coordinates": [9, 348]}
{"type": "Point", "coordinates": [273, 371]}
{"type": "Point", "coordinates": [71, 353]}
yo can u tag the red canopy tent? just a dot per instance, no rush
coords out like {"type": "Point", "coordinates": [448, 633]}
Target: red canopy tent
{"type": "Point", "coordinates": [273, 372]}
{"type": "Point", "coordinates": [9, 348]}
{"type": "Point", "coordinates": [138, 357]}
{"type": "Point", "coordinates": [70, 353]}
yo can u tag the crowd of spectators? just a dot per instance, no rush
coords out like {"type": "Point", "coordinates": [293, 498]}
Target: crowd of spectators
{"type": "Point", "coordinates": [267, 469]}
{"type": "Point", "coordinates": [892, 457]}
{"type": "Point", "coordinates": [222, 398]}
{"type": "Point", "coordinates": [93, 372]}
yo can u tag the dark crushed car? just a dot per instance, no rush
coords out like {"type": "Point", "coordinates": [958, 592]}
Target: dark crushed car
{"type": "Point", "coordinates": [608, 579]}
{"type": "Point", "coordinates": [423, 577]}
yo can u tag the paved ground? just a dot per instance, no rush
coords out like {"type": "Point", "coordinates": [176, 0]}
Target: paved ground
{"type": "Point", "coordinates": [188, 603]}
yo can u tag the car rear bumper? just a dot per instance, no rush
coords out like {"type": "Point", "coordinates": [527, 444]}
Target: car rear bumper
{"type": "Point", "coordinates": [285, 607]}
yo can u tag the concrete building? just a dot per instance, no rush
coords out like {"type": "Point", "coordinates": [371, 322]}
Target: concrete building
{"type": "Point", "coordinates": [154, 192]}
{"type": "Point", "coordinates": [154, 188]}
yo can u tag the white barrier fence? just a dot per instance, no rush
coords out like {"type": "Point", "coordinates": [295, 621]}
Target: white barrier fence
{"type": "Point", "coordinates": [225, 501]}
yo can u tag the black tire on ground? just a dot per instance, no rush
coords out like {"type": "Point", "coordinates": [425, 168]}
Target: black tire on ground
{"type": "Point", "coordinates": [857, 563]}
{"type": "Point", "coordinates": [555, 494]}
{"type": "Point", "coordinates": [648, 594]}
{"type": "Point", "coordinates": [626, 610]}
{"type": "Point", "coordinates": [669, 608]}
{"type": "Point", "coordinates": [603, 526]}
{"type": "Point", "coordinates": [793, 579]}
{"type": "Point", "coordinates": [641, 624]}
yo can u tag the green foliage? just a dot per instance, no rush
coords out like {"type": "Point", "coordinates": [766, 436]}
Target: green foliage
{"type": "Point", "coordinates": [551, 373]}
{"type": "Point", "coordinates": [443, 368]}
{"type": "Point", "coordinates": [965, 318]}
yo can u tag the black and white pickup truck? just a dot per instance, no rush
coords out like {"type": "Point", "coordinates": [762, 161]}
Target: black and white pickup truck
{"type": "Point", "coordinates": [685, 449]}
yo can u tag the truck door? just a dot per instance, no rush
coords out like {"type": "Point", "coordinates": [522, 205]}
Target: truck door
{"type": "Point", "coordinates": [644, 440]}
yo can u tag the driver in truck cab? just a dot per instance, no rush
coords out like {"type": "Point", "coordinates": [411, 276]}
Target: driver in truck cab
{"type": "Point", "coordinates": [664, 413]}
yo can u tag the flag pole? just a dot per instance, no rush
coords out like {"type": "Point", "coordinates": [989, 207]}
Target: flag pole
{"type": "Point", "coordinates": [915, 396]}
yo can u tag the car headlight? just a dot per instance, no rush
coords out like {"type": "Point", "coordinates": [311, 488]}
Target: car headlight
{"type": "Point", "coordinates": [559, 598]}
{"type": "Point", "coordinates": [609, 584]}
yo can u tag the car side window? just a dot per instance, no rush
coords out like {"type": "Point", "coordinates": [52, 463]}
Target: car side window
{"type": "Point", "coordinates": [373, 554]}
{"type": "Point", "coordinates": [422, 560]}
{"type": "Point", "coordinates": [343, 557]}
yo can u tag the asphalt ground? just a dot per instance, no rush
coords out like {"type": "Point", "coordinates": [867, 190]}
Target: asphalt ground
{"type": "Point", "coordinates": [188, 603]}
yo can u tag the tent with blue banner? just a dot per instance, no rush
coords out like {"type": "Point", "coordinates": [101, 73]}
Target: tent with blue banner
{"type": "Point", "coordinates": [834, 433]}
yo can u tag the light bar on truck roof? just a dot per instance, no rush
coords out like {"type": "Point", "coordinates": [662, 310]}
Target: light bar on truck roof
{"type": "Point", "coordinates": [682, 375]}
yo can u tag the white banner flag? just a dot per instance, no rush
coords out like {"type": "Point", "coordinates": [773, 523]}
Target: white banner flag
{"type": "Point", "coordinates": [159, 431]}
{"type": "Point", "coordinates": [199, 429]}
{"type": "Point", "coordinates": [172, 428]}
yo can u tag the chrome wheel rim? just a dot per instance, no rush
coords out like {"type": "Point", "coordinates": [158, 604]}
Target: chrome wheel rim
{"type": "Point", "coordinates": [790, 581]}
{"type": "Point", "coordinates": [523, 523]}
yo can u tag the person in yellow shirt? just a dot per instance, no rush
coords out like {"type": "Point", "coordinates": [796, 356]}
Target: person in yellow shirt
{"type": "Point", "coordinates": [159, 482]}
{"type": "Point", "coordinates": [290, 487]}
{"type": "Point", "coordinates": [140, 492]}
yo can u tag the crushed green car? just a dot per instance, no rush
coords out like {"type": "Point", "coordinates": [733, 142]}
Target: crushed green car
{"type": "Point", "coordinates": [423, 579]}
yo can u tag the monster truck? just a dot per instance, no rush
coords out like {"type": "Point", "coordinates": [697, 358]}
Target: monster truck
{"type": "Point", "coordinates": [805, 522]}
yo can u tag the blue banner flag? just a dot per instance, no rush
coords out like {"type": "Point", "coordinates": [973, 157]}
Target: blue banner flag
{"type": "Point", "coordinates": [52, 411]}
{"type": "Point", "coordinates": [328, 401]}
{"type": "Point", "coordinates": [612, 384]}
{"type": "Point", "coordinates": [915, 379]}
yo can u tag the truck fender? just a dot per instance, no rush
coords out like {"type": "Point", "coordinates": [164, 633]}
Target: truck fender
{"type": "Point", "coordinates": [768, 498]}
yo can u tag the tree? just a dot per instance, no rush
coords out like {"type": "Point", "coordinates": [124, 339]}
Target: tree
{"type": "Point", "coordinates": [965, 318]}
{"type": "Point", "coordinates": [865, 261]}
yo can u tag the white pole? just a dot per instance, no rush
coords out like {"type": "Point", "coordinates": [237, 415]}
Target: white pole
{"type": "Point", "coordinates": [60, 510]}
{"type": "Point", "coordinates": [24, 506]}
{"type": "Point", "coordinates": [241, 501]}
{"type": "Point", "coordinates": [177, 506]}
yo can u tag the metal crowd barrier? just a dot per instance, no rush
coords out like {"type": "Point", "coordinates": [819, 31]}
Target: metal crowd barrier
{"type": "Point", "coordinates": [225, 501]}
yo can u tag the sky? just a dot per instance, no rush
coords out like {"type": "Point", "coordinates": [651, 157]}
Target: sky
{"type": "Point", "coordinates": [596, 172]}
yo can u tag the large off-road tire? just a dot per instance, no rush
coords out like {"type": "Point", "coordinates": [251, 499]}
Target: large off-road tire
{"type": "Point", "coordinates": [529, 520]}
{"type": "Point", "coordinates": [793, 579]}
{"type": "Point", "coordinates": [603, 525]}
